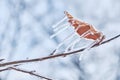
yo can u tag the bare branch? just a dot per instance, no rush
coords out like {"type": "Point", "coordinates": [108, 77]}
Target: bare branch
{"type": "Point", "coordinates": [24, 71]}
{"type": "Point", "coordinates": [1, 60]}
{"type": "Point", "coordinates": [1, 70]}
{"type": "Point", "coordinates": [55, 56]}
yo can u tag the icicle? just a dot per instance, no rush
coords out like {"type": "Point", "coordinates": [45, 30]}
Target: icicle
{"type": "Point", "coordinates": [90, 46]}
{"type": "Point", "coordinates": [54, 51]}
{"type": "Point", "coordinates": [81, 56]}
{"type": "Point", "coordinates": [69, 37]}
{"type": "Point", "coordinates": [59, 31]}
{"type": "Point", "coordinates": [56, 25]}
{"type": "Point", "coordinates": [61, 27]}
{"type": "Point", "coordinates": [87, 48]}
{"type": "Point", "coordinates": [71, 46]}
{"type": "Point", "coordinates": [59, 45]}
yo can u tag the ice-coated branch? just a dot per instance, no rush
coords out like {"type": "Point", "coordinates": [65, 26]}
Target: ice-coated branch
{"type": "Point", "coordinates": [55, 56]}
{"type": "Point", "coordinates": [24, 71]}
{"type": "Point", "coordinates": [1, 60]}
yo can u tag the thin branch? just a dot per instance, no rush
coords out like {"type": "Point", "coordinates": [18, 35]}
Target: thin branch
{"type": "Point", "coordinates": [1, 60]}
{"type": "Point", "coordinates": [55, 56]}
{"type": "Point", "coordinates": [1, 70]}
{"type": "Point", "coordinates": [24, 71]}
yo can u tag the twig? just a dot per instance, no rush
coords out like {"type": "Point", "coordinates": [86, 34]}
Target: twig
{"type": "Point", "coordinates": [1, 70]}
{"type": "Point", "coordinates": [55, 56]}
{"type": "Point", "coordinates": [24, 71]}
{"type": "Point", "coordinates": [1, 60]}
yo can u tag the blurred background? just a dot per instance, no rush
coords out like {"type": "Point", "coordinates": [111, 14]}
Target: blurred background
{"type": "Point", "coordinates": [25, 29]}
